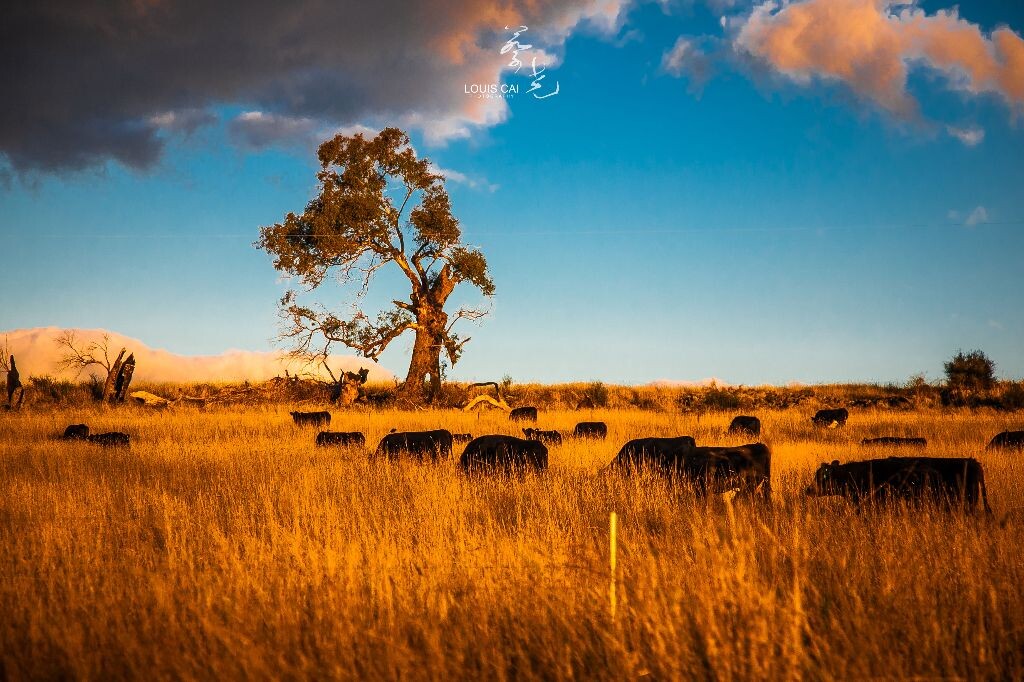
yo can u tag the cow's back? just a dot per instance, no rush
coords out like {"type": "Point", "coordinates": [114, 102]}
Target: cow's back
{"type": "Point", "coordinates": [1007, 440]}
{"type": "Point", "coordinates": [341, 438]}
{"type": "Point", "coordinates": [597, 430]}
{"type": "Point", "coordinates": [503, 454]}
{"type": "Point", "coordinates": [744, 467]}
{"type": "Point", "coordinates": [435, 444]}
{"type": "Point", "coordinates": [664, 455]}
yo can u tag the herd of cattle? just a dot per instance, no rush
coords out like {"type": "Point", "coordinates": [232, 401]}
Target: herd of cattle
{"type": "Point", "coordinates": [745, 469]}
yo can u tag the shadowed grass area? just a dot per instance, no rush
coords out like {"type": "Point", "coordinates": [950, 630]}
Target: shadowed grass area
{"type": "Point", "coordinates": [223, 544]}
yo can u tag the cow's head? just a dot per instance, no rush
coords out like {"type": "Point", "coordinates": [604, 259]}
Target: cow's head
{"type": "Point", "coordinates": [531, 434]}
{"type": "Point", "coordinates": [825, 480]}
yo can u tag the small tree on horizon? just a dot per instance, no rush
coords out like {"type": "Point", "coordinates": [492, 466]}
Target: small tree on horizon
{"type": "Point", "coordinates": [971, 371]}
{"type": "Point", "coordinates": [377, 204]}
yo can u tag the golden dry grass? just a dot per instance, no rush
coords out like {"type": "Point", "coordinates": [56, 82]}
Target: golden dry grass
{"type": "Point", "coordinates": [224, 545]}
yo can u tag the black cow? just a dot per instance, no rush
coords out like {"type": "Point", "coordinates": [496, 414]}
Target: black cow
{"type": "Point", "coordinates": [113, 439]}
{"type": "Point", "coordinates": [598, 430]}
{"type": "Point", "coordinates": [546, 437]}
{"type": "Point", "coordinates": [948, 480]}
{"type": "Point", "coordinates": [895, 440]}
{"type": "Point", "coordinates": [76, 432]}
{"type": "Point", "coordinates": [343, 438]}
{"type": "Point", "coordinates": [503, 454]}
{"type": "Point", "coordinates": [744, 468]}
{"type": "Point", "coordinates": [1007, 439]}
{"type": "Point", "coordinates": [462, 437]}
{"type": "Point", "coordinates": [831, 418]}
{"type": "Point", "coordinates": [419, 444]}
{"type": "Point", "coordinates": [661, 455]}
{"type": "Point", "coordinates": [745, 425]}
{"type": "Point", "coordinates": [523, 414]}
{"type": "Point", "coordinates": [311, 418]}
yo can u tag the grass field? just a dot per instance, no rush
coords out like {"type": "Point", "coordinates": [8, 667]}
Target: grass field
{"type": "Point", "coordinates": [224, 545]}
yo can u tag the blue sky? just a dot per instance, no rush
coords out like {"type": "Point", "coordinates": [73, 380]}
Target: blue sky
{"type": "Point", "coordinates": [756, 226]}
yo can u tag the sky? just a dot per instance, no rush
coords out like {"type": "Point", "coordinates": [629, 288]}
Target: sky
{"type": "Point", "coordinates": [820, 191]}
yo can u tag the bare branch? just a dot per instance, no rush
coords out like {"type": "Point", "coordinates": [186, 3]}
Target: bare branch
{"type": "Point", "coordinates": [5, 354]}
{"type": "Point", "coordinates": [78, 357]}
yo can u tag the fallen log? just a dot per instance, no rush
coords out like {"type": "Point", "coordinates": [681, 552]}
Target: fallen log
{"type": "Point", "coordinates": [149, 399]}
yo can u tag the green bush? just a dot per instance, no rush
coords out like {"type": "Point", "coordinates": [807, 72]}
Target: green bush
{"type": "Point", "coordinates": [597, 393]}
{"type": "Point", "coordinates": [720, 399]}
{"type": "Point", "coordinates": [52, 390]}
{"type": "Point", "coordinates": [972, 371]}
{"type": "Point", "coordinates": [1013, 395]}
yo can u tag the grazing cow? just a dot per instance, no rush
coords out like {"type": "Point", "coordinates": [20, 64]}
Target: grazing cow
{"type": "Point", "coordinates": [831, 418]}
{"type": "Point", "coordinates": [546, 437]}
{"type": "Point", "coordinates": [419, 444]}
{"type": "Point", "coordinates": [523, 414]}
{"type": "Point", "coordinates": [1007, 439]}
{"type": "Point", "coordinates": [598, 430]}
{"type": "Point", "coordinates": [311, 418]}
{"type": "Point", "coordinates": [343, 438]}
{"type": "Point", "coordinates": [76, 432]}
{"type": "Point", "coordinates": [661, 455]}
{"type": "Point", "coordinates": [503, 454]}
{"type": "Point", "coordinates": [952, 480]}
{"type": "Point", "coordinates": [744, 468]}
{"type": "Point", "coordinates": [462, 437]}
{"type": "Point", "coordinates": [745, 425]}
{"type": "Point", "coordinates": [113, 439]}
{"type": "Point", "coordinates": [895, 440]}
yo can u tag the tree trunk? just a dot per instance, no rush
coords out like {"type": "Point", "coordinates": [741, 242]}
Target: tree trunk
{"type": "Point", "coordinates": [124, 379]}
{"type": "Point", "coordinates": [426, 357]}
{"type": "Point", "coordinates": [108, 385]}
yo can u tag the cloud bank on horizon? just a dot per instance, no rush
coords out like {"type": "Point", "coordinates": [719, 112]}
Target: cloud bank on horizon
{"type": "Point", "coordinates": [95, 82]}
{"type": "Point", "coordinates": [38, 354]}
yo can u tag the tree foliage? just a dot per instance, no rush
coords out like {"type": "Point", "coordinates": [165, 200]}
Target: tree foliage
{"type": "Point", "coordinates": [971, 371]}
{"type": "Point", "coordinates": [377, 204]}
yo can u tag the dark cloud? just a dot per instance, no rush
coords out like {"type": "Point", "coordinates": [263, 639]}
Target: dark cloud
{"type": "Point", "coordinates": [258, 130]}
{"type": "Point", "coordinates": [88, 81]}
{"type": "Point", "coordinates": [184, 122]}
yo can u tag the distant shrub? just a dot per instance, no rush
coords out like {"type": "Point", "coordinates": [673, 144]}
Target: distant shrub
{"type": "Point", "coordinates": [597, 393]}
{"type": "Point", "coordinates": [53, 390]}
{"type": "Point", "coordinates": [917, 383]}
{"type": "Point", "coordinates": [1013, 395]}
{"type": "Point", "coordinates": [450, 395]}
{"type": "Point", "coordinates": [643, 401]}
{"type": "Point", "coordinates": [720, 399]}
{"type": "Point", "coordinates": [687, 401]}
{"type": "Point", "coordinates": [972, 371]}
{"type": "Point", "coordinates": [95, 387]}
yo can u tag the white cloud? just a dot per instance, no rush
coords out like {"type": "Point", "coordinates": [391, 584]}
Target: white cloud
{"type": "Point", "coordinates": [979, 216]}
{"type": "Point", "coordinates": [687, 58]}
{"type": "Point", "coordinates": [971, 136]}
{"type": "Point", "coordinates": [463, 179]}
{"type": "Point", "coordinates": [673, 61]}
{"type": "Point", "coordinates": [871, 45]}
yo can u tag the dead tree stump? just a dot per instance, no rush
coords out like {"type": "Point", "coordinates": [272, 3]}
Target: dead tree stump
{"type": "Point", "coordinates": [124, 378]}
{"type": "Point", "coordinates": [14, 385]}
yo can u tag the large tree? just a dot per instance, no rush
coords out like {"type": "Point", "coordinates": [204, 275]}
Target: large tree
{"type": "Point", "coordinates": [377, 204]}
